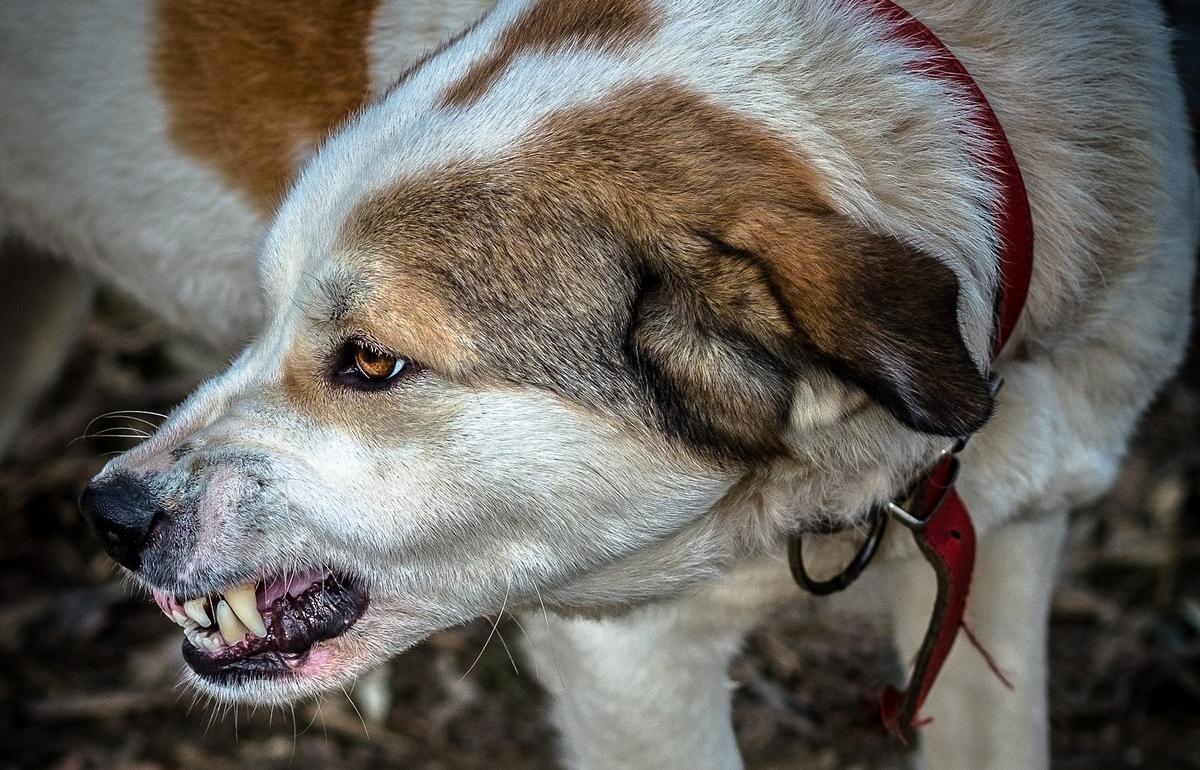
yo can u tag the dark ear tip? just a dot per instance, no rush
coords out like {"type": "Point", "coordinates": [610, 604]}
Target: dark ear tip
{"type": "Point", "coordinates": [954, 410]}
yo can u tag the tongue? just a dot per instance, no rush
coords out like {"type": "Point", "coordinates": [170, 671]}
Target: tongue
{"type": "Point", "coordinates": [293, 585]}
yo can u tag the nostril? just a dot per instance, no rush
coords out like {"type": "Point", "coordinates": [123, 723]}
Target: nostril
{"type": "Point", "coordinates": [121, 510]}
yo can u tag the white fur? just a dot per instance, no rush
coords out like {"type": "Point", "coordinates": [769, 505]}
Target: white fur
{"type": "Point", "coordinates": [88, 173]}
{"type": "Point", "coordinates": [501, 499]}
{"type": "Point", "coordinates": [1106, 324]}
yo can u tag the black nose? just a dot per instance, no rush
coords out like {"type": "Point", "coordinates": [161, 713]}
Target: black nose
{"type": "Point", "coordinates": [122, 510]}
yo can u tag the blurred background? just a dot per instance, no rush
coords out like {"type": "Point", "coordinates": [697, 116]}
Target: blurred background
{"type": "Point", "coordinates": [89, 668]}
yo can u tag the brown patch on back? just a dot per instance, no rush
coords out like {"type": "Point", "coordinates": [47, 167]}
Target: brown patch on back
{"type": "Point", "coordinates": [550, 25]}
{"type": "Point", "coordinates": [253, 86]}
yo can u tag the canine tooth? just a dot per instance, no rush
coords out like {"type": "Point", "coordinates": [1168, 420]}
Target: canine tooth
{"type": "Point", "coordinates": [244, 604]}
{"type": "Point", "coordinates": [232, 630]}
{"type": "Point", "coordinates": [195, 611]}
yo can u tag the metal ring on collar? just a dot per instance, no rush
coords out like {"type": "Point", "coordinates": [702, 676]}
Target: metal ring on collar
{"type": "Point", "coordinates": [841, 581]}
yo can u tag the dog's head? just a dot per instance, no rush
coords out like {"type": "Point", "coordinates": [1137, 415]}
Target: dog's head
{"type": "Point", "coordinates": [586, 368]}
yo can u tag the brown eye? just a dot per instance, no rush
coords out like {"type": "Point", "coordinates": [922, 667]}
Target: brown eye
{"type": "Point", "coordinates": [365, 365]}
{"type": "Point", "coordinates": [376, 366]}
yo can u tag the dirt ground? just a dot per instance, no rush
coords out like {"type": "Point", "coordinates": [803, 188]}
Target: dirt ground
{"type": "Point", "coordinates": [89, 669]}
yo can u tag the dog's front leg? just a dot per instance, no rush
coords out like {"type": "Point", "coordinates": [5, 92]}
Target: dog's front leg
{"type": "Point", "coordinates": [43, 305]}
{"type": "Point", "coordinates": [978, 723]}
{"type": "Point", "coordinates": [647, 690]}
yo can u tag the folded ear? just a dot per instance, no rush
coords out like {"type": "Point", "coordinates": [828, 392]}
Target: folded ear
{"type": "Point", "coordinates": [711, 342]}
{"type": "Point", "coordinates": [879, 312]}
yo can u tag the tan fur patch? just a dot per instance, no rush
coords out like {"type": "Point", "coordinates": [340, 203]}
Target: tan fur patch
{"type": "Point", "coordinates": [401, 313]}
{"type": "Point", "coordinates": [660, 160]}
{"type": "Point", "coordinates": [662, 258]}
{"type": "Point", "coordinates": [254, 87]}
{"type": "Point", "coordinates": [550, 25]}
{"type": "Point", "coordinates": [376, 417]}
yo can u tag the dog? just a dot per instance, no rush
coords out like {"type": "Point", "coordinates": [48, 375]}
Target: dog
{"type": "Point", "coordinates": [598, 304]}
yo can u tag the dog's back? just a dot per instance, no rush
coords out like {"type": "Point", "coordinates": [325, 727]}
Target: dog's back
{"type": "Point", "coordinates": [144, 144]}
{"type": "Point", "coordinates": [148, 142]}
{"type": "Point", "coordinates": [1089, 97]}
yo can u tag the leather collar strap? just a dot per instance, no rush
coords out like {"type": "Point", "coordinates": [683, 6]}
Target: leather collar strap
{"type": "Point", "coordinates": [936, 515]}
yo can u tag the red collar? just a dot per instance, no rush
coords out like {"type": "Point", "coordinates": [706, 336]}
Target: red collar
{"type": "Point", "coordinates": [932, 509]}
{"type": "Point", "coordinates": [1014, 225]}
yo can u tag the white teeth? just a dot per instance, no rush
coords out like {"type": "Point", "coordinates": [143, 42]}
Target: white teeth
{"type": "Point", "coordinates": [244, 604]}
{"type": "Point", "coordinates": [179, 618]}
{"type": "Point", "coordinates": [232, 630]}
{"type": "Point", "coordinates": [202, 639]}
{"type": "Point", "coordinates": [207, 640]}
{"type": "Point", "coordinates": [195, 611]}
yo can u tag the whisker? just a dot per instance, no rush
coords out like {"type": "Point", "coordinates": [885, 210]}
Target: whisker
{"type": "Point", "coordinates": [511, 660]}
{"type": "Point", "coordinates": [324, 727]}
{"type": "Point", "coordinates": [123, 413]}
{"type": "Point", "coordinates": [138, 436]}
{"type": "Point", "coordinates": [295, 729]}
{"type": "Point", "coordinates": [212, 715]}
{"type": "Point", "coordinates": [549, 636]}
{"type": "Point", "coordinates": [119, 431]}
{"type": "Point", "coordinates": [354, 706]}
{"type": "Point", "coordinates": [141, 420]}
{"type": "Point", "coordinates": [492, 633]}
{"type": "Point", "coordinates": [148, 412]}
{"type": "Point", "coordinates": [313, 720]}
{"type": "Point", "coordinates": [192, 705]}
{"type": "Point", "coordinates": [135, 436]}
{"type": "Point", "coordinates": [96, 419]}
{"type": "Point", "coordinates": [536, 668]}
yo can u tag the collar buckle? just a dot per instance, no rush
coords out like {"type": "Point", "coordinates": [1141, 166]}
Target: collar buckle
{"type": "Point", "coordinates": [928, 495]}
{"type": "Point", "coordinates": [913, 509]}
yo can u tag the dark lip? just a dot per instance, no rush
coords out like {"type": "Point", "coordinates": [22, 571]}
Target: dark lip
{"type": "Point", "coordinates": [295, 624]}
{"type": "Point", "coordinates": [227, 668]}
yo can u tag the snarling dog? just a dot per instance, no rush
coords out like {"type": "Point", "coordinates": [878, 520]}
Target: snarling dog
{"type": "Point", "coordinates": [603, 300]}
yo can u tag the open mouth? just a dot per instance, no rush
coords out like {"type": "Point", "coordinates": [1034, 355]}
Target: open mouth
{"type": "Point", "coordinates": [265, 629]}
